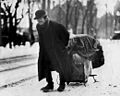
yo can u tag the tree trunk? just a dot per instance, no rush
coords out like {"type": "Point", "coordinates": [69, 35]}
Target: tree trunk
{"type": "Point", "coordinates": [30, 24]}
{"type": "Point", "coordinates": [76, 16]}
{"type": "Point", "coordinates": [48, 7]}
{"type": "Point", "coordinates": [44, 4]}
{"type": "Point", "coordinates": [67, 12]}
{"type": "Point", "coordinates": [59, 13]}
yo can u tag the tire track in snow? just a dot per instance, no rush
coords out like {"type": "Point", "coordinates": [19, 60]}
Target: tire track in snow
{"type": "Point", "coordinates": [15, 68]}
{"type": "Point", "coordinates": [13, 84]}
{"type": "Point", "coordinates": [16, 59]}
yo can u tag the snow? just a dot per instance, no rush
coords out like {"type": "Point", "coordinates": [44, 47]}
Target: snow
{"type": "Point", "coordinates": [18, 50]}
{"type": "Point", "coordinates": [108, 76]}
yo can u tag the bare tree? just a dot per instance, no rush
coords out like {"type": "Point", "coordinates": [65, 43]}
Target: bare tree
{"type": "Point", "coordinates": [59, 12]}
{"type": "Point", "coordinates": [30, 16]}
{"type": "Point", "coordinates": [13, 21]}
{"type": "Point", "coordinates": [68, 3]}
{"type": "Point", "coordinates": [4, 27]}
{"type": "Point", "coordinates": [75, 14]}
{"type": "Point", "coordinates": [89, 17]}
{"type": "Point", "coordinates": [117, 16]}
{"type": "Point", "coordinates": [43, 4]}
{"type": "Point", "coordinates": [48, 6]}
{"type": "Point", "coordinates": [68, 13]}
{"type": "Point", "coordinates": [10, 22]}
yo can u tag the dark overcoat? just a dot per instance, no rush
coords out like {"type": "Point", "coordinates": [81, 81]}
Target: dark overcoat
{"type": "Point", "coordinates": [52, 53]}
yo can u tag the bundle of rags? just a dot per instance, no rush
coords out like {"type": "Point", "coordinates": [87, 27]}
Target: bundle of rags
{"type": "Point", "coordinates": [83, 49]}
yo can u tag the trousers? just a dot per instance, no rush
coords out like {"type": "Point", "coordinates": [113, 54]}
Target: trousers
{"type": "Point", "coordinates": [49, 79]}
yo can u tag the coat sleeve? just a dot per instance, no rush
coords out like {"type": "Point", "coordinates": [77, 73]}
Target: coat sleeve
{"type": "Point", "coordinates": [63, 34]}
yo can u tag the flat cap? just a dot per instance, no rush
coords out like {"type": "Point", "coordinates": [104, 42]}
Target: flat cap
{"type": "Point", "coordinates": [40, 13]}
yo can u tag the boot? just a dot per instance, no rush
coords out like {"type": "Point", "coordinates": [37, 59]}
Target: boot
{"type": "Point", "coordinates": [61, 87]}
{"type": "Point", "coordinates": [47, 88]}
{"type": "Point", "coordinates": [50, 85]}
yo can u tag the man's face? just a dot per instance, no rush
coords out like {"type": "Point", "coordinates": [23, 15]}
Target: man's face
{"type": "Point", "coordinates": [41, 21]}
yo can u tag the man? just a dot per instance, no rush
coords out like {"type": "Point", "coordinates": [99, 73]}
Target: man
{"type": "Point", "coordinates": [53, 56]}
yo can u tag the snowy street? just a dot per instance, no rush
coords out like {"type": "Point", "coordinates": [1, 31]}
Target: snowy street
{"type": "Point", "coordinates": [108, 75]}
{"type": "Point", "coordinates": [17, 68]}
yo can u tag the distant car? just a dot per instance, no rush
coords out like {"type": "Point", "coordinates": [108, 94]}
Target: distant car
{"type": "Point", "coordinates": [116, 35]}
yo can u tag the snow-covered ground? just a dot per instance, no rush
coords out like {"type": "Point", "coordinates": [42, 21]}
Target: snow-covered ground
{"type": "Point", "coordinates": [19, 50]}
{"type": "Point", "coordinates": [108, 75]}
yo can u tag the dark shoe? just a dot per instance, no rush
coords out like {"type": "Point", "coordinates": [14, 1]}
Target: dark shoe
{"type": "Point", "coordinates": [61, 87]}
{"type": "Point", "coordinates": [47, 88]}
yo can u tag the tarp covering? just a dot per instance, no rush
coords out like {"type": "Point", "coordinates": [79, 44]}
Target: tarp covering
{"type": "Point", "coordinates": [84, 45]}
{"type": "Point", "coordinates": [87, 47]}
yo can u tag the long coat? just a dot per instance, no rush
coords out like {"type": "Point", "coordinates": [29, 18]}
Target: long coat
{"type": "Point", "coordinates": [52, 53]}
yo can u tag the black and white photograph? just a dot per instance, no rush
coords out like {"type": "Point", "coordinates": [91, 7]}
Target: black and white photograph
{"type": "Point", "coordinates": [59, 47]}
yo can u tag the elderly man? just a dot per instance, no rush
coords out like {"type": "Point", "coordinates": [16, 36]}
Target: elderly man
{"type": "Point", "coordinates": [53, 56]}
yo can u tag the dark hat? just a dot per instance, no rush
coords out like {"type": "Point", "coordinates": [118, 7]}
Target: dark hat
{"type": "Point", "coordinates": [40, 13]}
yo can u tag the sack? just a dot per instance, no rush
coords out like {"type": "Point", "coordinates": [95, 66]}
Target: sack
{"type": "Point", "coordinates": [82, 68]}
{"type": "Point", "coordinates": [98, 58]}
{"type": "Point", "coordinates": [87, 47]}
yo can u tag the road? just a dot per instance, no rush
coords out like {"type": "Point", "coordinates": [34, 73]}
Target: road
{"type": "Point", "coordinates": [15, 70]}
{"type": "Point", "coordinates": [108, 76]}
